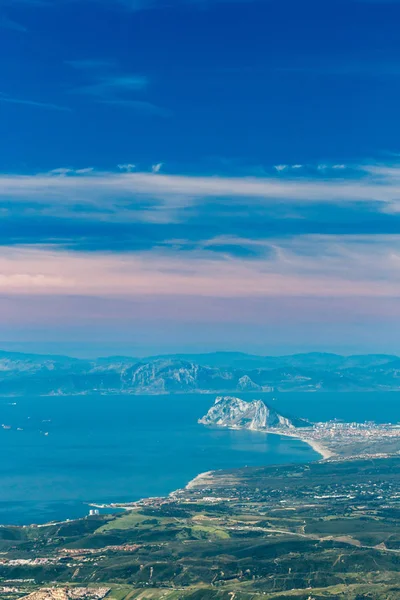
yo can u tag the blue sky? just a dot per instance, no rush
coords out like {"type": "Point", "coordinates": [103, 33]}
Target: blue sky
{"type": "Point", "coordinates": [199, 175]}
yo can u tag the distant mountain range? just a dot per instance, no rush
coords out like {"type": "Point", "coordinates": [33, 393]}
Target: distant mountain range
{"type": "Point", "coordinates": [221, 372]}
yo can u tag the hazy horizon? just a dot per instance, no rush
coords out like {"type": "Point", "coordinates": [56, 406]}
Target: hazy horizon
{"type": "Point", "coordinates": [89, 351]}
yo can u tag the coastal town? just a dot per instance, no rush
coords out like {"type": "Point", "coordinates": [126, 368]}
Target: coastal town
{"type": "Point", "coordinates": [338, 440]}
{"type": "Point", "coordinates": [343, 507]}
{"type": "Point", "coordinates": [332, 439]}
{"type": "Point", "coordinates": [201, 540]}
{"type": "Point", "coordinates": [68, 593]}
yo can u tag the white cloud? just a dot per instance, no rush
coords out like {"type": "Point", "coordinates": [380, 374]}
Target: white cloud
{"type": "Point", "coordinates": [67, 171]}
{"type": "Point", "coordinates": [117, 192]}
{"type": "Point", "coordinates": [106, 87]}
{"type": "Point", "coordinates": [128, 167]}
{"type": "Point", "coordinates": [61, 171]}
{"type": "Point", "coordinates": [84, 171]}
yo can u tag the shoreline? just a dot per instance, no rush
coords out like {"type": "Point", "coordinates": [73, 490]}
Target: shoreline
{"type": "Point", "coordinates": [202, 478]}
{"type": "Point", "coordinates": [207, 476]}
{"type": "Point", "coordinates": [317, 446]}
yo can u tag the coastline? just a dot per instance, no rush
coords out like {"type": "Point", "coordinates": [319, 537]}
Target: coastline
{"type": "Point", "coordinates": [319, 448]}
{"type": "Point", "coordinates": [202, 479]}
{"type": "Point", "coordinates": [198, 476]}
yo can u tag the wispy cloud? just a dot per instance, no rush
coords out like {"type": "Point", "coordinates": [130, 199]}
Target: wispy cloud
{"type": "Point", "coordinates": [128, 167]}
{"type": "Point", "coordinates": [104, 79]}
{"type": "Point", "coordinates": [6, 23]}
{"type": "Point", "coordinates": [108, 87]}
{"type": "Point", "coordinates": [67, 171]}
{"type": "Point", "coordinates": [127, 209]}
{"type": "Point", "coordinates": [309, 266]}
{"type": "Point", "coordinates": [131, 234]}
{"type": "Point", "coordinates": [34, 103]}
{"type": "Point", "coordinates": [309, 168]}
{"type": "Point", "coordinates": [170, 196]}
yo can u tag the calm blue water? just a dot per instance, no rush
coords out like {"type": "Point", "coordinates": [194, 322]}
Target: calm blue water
{"type": "Point", "coordinates": [104, 449]}
{"type": "Point", "coordinates": [381, 407]}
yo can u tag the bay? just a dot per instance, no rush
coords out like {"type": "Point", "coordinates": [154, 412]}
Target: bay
{"type": "Point", "coordinates": [63, 452]}
{"type": "Point", "coordinates": [57, 454]}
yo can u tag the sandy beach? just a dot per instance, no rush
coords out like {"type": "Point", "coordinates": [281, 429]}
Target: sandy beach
{"type": "Point", "coordinates": [318, 447]}
{"type": "Point", "coordinates": [201, 479]}
{"type": "Point", "coordinates": [314, 444]}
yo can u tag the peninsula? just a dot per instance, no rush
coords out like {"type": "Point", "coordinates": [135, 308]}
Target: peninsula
{"type": "Point", "coordinates": [331, 439]}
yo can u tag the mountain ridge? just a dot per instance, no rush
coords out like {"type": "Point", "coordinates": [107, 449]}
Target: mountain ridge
{"type": "Point", "coordinates": [227, 373]}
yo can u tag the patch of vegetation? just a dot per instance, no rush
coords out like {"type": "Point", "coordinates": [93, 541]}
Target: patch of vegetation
{"type": "Point", "coordinates": [320, 531]}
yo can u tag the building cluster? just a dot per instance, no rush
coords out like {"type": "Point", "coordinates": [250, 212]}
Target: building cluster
{"type": "Point", "coordinates": [85, 551]}
{"type": "Point", "coordinates": [366, 430]}
{"type": "Point", "coordinates": [383, 493]}
{"type": "Point", "coordinates": [68, 593]}
{"type": "Point", "coordinates": [35, 562]}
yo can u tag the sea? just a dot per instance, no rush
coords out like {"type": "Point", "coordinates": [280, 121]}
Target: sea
{"type": "Point", "coordinates": [59, 454]}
